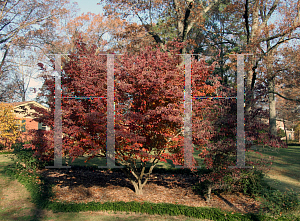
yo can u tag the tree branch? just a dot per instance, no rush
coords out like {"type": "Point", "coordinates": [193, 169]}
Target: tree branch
{"type": "Point", "coordinates": [286, 98]}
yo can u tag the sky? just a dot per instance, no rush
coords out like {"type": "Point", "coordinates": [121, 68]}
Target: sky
{"type": "Point", "coordinates": [89, 6]}
{"type": "Point", "coordinates": [85, 6]}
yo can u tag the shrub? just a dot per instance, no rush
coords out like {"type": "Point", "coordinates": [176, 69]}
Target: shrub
{"type": "Point", "coordinates": [248, 181]}
{"type": "Point", "coordinates": [276, 202]}
{"type": "Point", "coordinates": [26, 157]}
{"type": "Point", "coordinates": [280, 133]}
{"type": "Point", "coordinates": [9, 125]}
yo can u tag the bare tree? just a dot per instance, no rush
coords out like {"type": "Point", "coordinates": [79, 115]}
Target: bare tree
{"type": "Point", "coordinates": [265, 32]}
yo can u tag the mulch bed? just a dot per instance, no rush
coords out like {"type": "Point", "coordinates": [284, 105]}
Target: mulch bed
{"type": "Point", "coordinates": [82, 186]}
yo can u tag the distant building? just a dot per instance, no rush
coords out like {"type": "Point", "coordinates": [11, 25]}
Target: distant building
{"type": "Point", "coordinates": [280, 123]}
{"type": "Point", "coordinates": [290, 133]}
{"type": "Point", "coordinates": [22, 111]}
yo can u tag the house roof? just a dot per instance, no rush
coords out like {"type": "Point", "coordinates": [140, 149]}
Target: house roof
{"type": "Point", "coordinates": [288, 124]}
{"type": "Point", "coordinates": [18, 104]}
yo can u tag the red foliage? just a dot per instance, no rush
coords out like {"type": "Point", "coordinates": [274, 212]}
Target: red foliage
{"type": "Point", "coordinates": [155, 117]}
{"type": "Point", "coordinates": [149, 96]}
{"type": "Point", "coordinates": [220, 152]}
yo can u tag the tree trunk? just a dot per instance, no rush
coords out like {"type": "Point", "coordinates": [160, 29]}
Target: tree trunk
{"type": "Point", "coordinates": [23, 93]}
{"type": "Point", "coordinates": [272, 107]}
{"type": "Point", "coordinates": [249, 93]}
{"type": "Point", "coordinates": [138, 186]}
{"type": "Point", "coordinates": [286, 140]}
{"type": "Point", "coordinates": [137, 180]}
{"type": "Point", "coordinates": [209, 192]}
{"type": "Point", "coordinates": [6, 47]}
{"type": "Point", "coordinates": [251, 75]}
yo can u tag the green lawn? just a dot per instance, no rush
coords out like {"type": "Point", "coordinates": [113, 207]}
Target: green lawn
{"type": "Point", "coordinates": [284, 174]}
{"type": "Point", "coordinates": [285, 171]}
{"type": "Point", "coordinates": [15, 204]}
{"type": "Point", "coordinates": [102, 161]}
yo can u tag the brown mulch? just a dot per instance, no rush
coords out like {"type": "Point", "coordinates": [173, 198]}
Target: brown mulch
{"type": "Point", "coordinates": [82, 186]}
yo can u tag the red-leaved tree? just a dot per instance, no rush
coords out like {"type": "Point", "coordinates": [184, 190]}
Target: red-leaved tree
{"type": "Point", "coordinates": [149, 108]}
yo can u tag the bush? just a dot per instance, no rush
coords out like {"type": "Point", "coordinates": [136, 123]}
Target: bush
{"type": "Point", "coordinates": [276, 202]}
{"type": "Point", "coordinates": [280, 133]}
{"type": "Point", "coordinates": [249, 181]}
{"type": "Point", "coordinates": [26, 157]}
{"type": "Point", "coordinates": [2, 146]}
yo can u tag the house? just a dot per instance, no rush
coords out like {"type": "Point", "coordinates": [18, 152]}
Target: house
{"type": "Point", "coordinates": [283, 124]}
{"type": "Point", "coordinates": [22, 111]}
{"type": "Point", "coordinates": [290, 133]}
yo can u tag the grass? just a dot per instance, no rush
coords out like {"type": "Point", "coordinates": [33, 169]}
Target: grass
{"type": "Point", "coordinates": [80, 161]}
{"type": "Point", "coordinates": [15, 204]}
{"type": "Point", "coordinates": [283, 175]}
{"type": "Point", "coordinates": [5, 152]}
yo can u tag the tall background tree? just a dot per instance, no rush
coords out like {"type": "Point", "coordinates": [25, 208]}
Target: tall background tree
{"type": "Point", "coordinates": [288, 85]}
{"type": "Point", "coordinates": [25, 25]}
{"type": "Point", "coordinates": [269, 24]}
{"type": "Point", "coordinates": [258, 27]}
{"type": "Point", "coordinates": [178, 16]}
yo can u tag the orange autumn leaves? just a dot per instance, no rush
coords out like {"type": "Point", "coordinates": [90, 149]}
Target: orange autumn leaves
{"type": "Point", "coordinates": [9, 125]}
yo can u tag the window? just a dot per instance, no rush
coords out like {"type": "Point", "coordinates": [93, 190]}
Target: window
{"type": "Point", "coordinates": [23, 127]}
{"type": "Point", "coordinates": [41, 126]}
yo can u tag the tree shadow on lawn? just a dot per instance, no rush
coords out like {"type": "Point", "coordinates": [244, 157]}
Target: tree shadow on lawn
{"type": "Point", "coordinates": [14, 214]}
{"type": "Point", "coordinates": [283, 181]}
{"type": "Point", "coordinates": [284, 173]}
{"type": "Point", "coordinates": [76, 177]}
{"type": "Point", "coordinates": [291, 155]}
{"type": "Point", "coordinates": [78, 181]}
